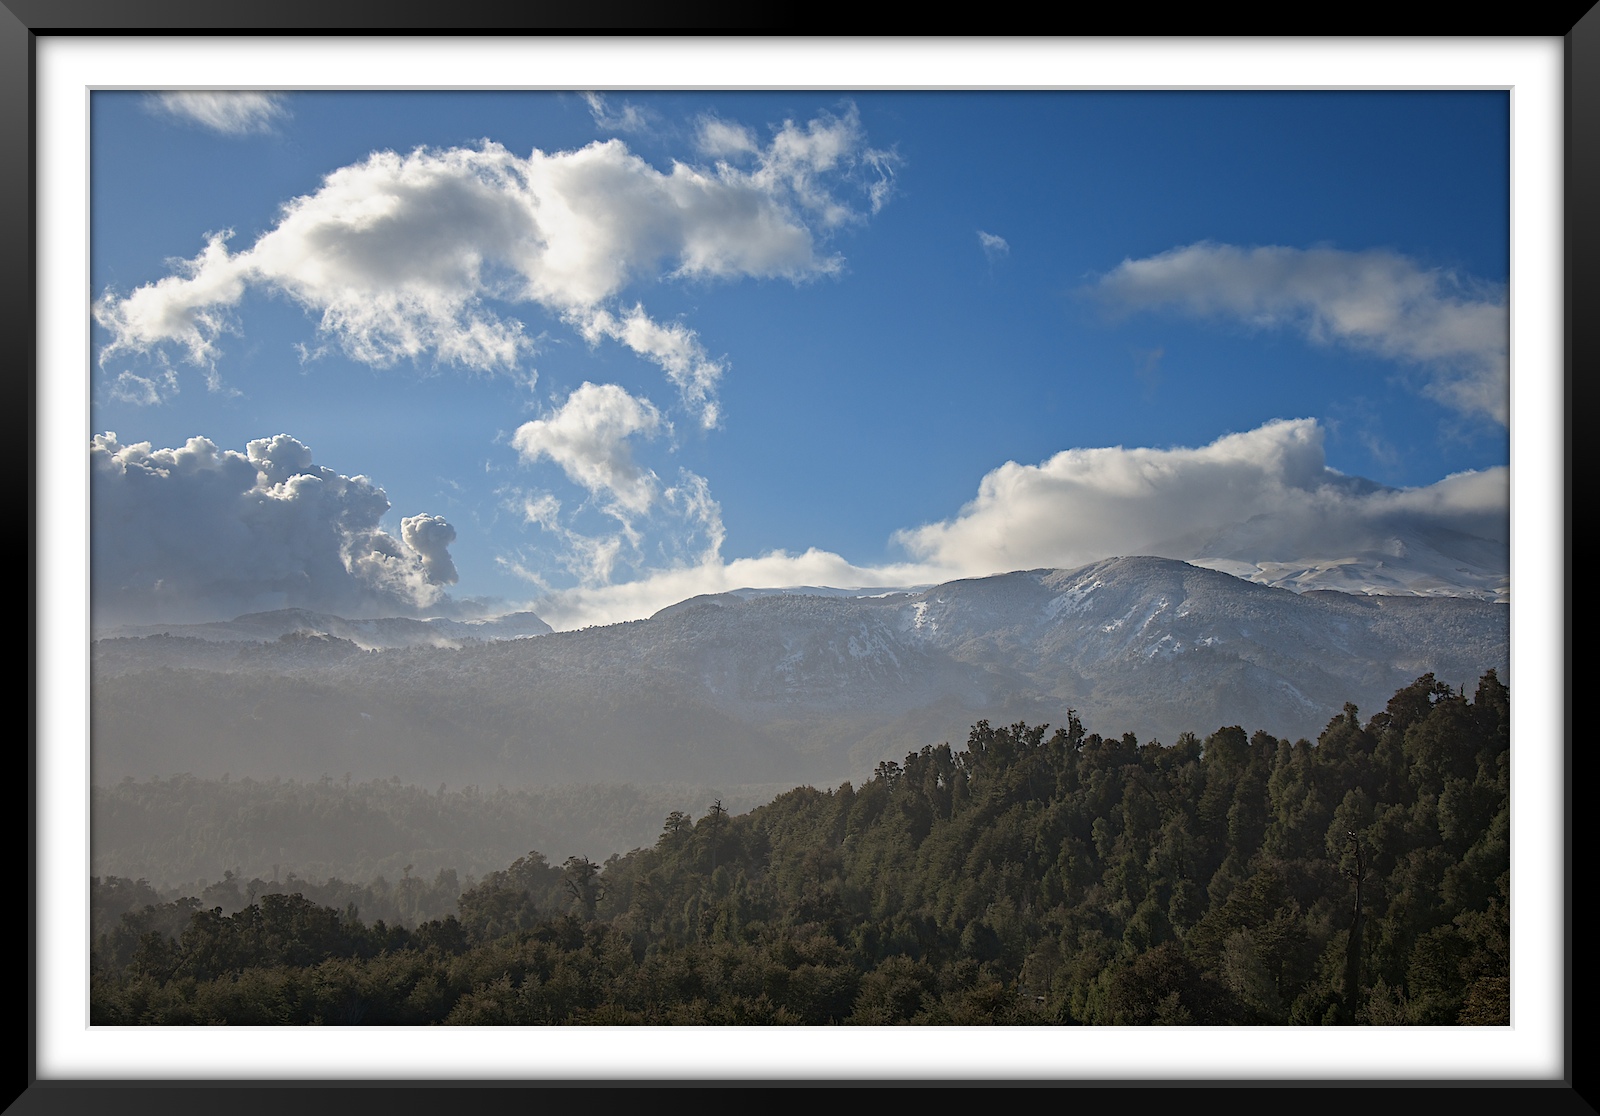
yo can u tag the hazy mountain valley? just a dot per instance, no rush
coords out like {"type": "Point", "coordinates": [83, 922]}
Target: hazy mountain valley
{"type": "Point", "coordinates": [582, 741]}
{"type": "Point", "coordinates": [725, 690]}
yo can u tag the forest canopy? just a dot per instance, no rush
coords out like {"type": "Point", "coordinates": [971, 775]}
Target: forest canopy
{"type": "Point", "coordinates": [1038, 875]}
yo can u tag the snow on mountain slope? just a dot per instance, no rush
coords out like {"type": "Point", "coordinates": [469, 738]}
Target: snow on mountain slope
{"type": "Point", "coordinates": [796, 686]}
{"type": "Point", "coordinates": [1391, 560]}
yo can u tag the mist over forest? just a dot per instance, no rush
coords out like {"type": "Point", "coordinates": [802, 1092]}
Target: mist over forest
{"type": "Point", "coordinates": [179, 831]}
{"type": "Point", "coordinates": [1028, 878]}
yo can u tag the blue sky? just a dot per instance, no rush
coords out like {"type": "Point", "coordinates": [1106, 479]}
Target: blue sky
{"type": "Point", "coordinates": [601, 353]}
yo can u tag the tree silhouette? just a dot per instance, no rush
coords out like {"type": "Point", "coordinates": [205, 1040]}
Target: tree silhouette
{"type": "Point", "coordinates": [579, 876]}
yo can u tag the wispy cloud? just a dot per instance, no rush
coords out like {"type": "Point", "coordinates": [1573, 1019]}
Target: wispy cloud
{"type": "Point", "coordinates": [144, 391]}
{"type": "Point", "coordinates": [722, 139]}
{"type": "Point", "coordinates": [1147, 370]}
{"type": "Point", "coordinates": [675, 348]}
{"type": "Point", "coordinates": [628, 117]}
{"type": "Point", "coordinates": [1456, 329]}
{"type": "Point", "coordinates": [232, 113]}
{"type": "Point", "coordinates": [994, 247]}
{"type": "Point", "coordinates": [692, 538]}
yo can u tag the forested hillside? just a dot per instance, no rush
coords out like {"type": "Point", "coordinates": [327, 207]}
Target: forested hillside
{"type": "Point", "coordinates": [1038, 875]}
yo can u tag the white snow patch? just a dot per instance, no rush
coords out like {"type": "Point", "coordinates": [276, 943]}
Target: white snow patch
{"type": "Point", "coordinates": [1165, 647]}
{"type": "Point", "coordinates": [1157, 607]}
{"type": "Point", "coordinates": [1073, 600]}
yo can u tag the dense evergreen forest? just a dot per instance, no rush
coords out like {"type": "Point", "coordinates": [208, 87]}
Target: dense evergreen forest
{"type": "Point", "coordinates": [1035, 877]}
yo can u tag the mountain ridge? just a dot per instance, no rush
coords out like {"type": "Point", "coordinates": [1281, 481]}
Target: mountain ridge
{"type": "Point", "coordinates": [787, 686]}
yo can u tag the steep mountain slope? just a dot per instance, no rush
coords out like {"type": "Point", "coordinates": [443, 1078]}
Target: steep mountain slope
{"type": "Point", "coordinates": [1157, 646]}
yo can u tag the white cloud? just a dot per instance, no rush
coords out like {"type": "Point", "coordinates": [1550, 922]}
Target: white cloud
{"type": "Point", "coordinates": [800, 157]}
{"type": "Point", "coordinates": [588, 436]}
{"type": "Point", "coordinates": [1086, 504]}
{"type": "Point", "coordinates": [591, 559]}
{"type": "Point", "coordinates": [723, 139]}
{"type": "Point", "coordinates": [629, 118]}
{"type": "Point", "coordinates": [144, 391]}
{"type": "Point", "coordinates": [233, 113]}
{"type": "Point", "coordinates": [1378, 301]}
{"type": "Point", "coordinates": [684, 526]}
{"type": "Point", "coordinates": [429, 536]}
{"type": "Point", "coordinates": [691, 497]}
{"type": "Point", "coordinates": [994, 247]}
{"type": "Point", "coordinates": [201, 533]}
{"type": "Point", "coordinates": [611, 603]}
{"type": "Point", "coordinates": [190, 309]}
{"type": "Point", "coordinates": [405, 257]}
{"type": "Point", "coordinates": [675, 348]}
{"type": "Point", "coordinates": [541, 509]}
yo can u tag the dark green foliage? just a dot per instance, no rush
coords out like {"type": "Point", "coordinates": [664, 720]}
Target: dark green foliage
{"type": "Point", "coordinates": [1035, 877]}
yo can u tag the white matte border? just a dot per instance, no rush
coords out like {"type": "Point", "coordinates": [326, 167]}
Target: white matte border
{"type": "Point", "coordinates": [1531, 1048]}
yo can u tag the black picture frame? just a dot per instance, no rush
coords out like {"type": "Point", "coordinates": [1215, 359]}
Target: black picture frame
{"type": "Point", "coordinates": [24, 21]}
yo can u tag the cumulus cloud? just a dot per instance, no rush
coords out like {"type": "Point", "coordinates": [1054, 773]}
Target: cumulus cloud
{"type": "Point", "coordinates": [429, 537]}
{"type": "Point", "coordinates": [201, 533]}
{"type": "Point", "coordinates": [406, 256]}
{"type": "Point", "coordinates": [1455, 328]}
{"type": "Point", "coordinates": [994, 247]}
{"type": "Point", "coordinates": [588, 436]}
{"type": "Point", "coordinates": [233, 113]}
{"type": "Point", "coordinates": [1086, 504]}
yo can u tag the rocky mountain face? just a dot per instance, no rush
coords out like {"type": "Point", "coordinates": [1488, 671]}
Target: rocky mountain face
{"type": "Point", "coordinates": [744, 688]}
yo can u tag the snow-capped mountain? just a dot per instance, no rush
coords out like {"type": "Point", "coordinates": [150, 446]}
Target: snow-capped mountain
{"type": "Point", "coordinates": [790, 686]}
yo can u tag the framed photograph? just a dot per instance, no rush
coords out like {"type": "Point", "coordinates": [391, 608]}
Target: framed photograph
{"type": "Point", "coordinates": [734, 415]}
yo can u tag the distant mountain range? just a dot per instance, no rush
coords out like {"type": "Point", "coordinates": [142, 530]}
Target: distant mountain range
{"type": "Point", "coordinates": [395, 631]}
{"type": "Point", "coordinates": [746, 688]}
